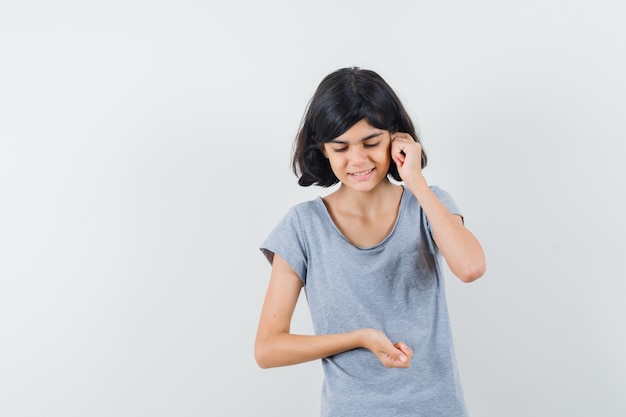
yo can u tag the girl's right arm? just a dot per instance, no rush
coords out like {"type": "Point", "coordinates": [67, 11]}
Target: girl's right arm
{"type": "Point", "coordinates": [276, 346]}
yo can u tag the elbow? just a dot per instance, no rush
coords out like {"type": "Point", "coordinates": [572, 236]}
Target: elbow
{"type": "Point", "coordinates": [262, 363]}
{"type": "Point", "coordinates": [472, 272]}
{"type": "Point", "coordinates": [262, 356]}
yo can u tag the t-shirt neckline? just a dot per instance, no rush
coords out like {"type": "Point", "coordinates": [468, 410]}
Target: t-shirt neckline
{"type": "Point", "coordinates": [403, 199]}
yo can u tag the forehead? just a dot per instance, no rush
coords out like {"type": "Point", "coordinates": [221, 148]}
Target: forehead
{"type": "Point", "coordinates": [360, 131]}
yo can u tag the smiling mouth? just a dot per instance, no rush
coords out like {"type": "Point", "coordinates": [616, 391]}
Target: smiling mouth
{"type": "Point", "coordinates": [361, 174]}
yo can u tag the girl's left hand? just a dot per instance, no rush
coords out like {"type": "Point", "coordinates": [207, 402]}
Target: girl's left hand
{"type": "Point", "coordinates": [407, 154]}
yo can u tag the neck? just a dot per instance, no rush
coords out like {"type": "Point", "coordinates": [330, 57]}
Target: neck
{"type": "Point", "coordinates": [369, 202]}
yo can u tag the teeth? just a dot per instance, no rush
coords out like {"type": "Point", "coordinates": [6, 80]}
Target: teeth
{"type": "Point", "coordinates": [361, 173]}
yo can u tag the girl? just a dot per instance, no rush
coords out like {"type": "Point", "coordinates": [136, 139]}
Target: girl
{"type": "Point", "coordinates": [367, 256]}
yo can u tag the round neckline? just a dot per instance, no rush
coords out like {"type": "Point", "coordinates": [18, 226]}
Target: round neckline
{"type": "Point", "coordinates": [403, 199]}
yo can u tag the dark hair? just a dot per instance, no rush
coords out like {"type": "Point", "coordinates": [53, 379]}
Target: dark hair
{"type": "Point", "coordinates": [342, 99]}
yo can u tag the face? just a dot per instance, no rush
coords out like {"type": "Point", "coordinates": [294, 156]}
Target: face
{"type": "Point", "coordinates": [360, 157]}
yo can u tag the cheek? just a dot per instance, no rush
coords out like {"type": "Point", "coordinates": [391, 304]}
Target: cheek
{"type": "Point", "coordinates": [385, 158]}
{"type": "Point", "coordinates": [385, 153]}
{"type": "Point", "coordinates": [336, 163]}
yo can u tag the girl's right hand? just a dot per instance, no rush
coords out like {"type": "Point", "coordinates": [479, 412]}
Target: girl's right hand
{"type": "Point", "coordinates": [391, 355]}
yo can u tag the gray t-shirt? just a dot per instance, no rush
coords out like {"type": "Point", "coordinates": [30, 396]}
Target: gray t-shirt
{"type": "Point", "coordinates": [395, 286]}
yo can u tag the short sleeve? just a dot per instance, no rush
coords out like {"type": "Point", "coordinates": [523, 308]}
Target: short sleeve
{"type": "Point", "coordinates": [447, 200]}
{"type": "Point", "coordinates": [287, 240]}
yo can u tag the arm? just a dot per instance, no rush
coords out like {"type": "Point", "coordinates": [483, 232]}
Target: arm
{"type": "Point", "coordinates": [459, 247]}
{"type": "Point", "coordinates": [276, 346]}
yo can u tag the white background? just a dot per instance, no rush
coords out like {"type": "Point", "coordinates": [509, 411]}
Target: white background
{"type": "Point", "coordinates": [144, 156]}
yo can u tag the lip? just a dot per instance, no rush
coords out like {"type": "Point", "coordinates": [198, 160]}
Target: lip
{"type": "Point", "coordinates": [362, 175]}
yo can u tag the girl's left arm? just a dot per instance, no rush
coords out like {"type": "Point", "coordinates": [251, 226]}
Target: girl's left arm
{"type": "Point", "coordinates": [459, 247]}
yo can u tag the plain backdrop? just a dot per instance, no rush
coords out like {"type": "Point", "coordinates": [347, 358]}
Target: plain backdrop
{"type": "Point", "coordinates": [145, 154]}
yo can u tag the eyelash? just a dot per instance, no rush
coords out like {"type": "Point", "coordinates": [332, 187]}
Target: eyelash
{"type": "Point", "coordinates": [367, 145]}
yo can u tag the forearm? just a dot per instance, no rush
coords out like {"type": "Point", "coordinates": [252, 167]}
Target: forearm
{"type": "Point", "coordinates": [289, 349]}
{"type": "Point", "coordinates": [459, 247]}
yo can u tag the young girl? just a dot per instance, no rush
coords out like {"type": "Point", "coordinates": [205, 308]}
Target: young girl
{"type": "Point", "coordinates": [367, 256]}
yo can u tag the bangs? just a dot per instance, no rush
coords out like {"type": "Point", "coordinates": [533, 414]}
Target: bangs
{"type": "Point", "coordinates": [341, 114]}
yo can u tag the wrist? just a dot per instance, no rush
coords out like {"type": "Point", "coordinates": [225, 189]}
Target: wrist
{"type": "Point", "coordinates": [360, 337]}
{"type": "Point", "coordinates": [365, 336]}
{"type": "Point", "coordinates": [416, 183]}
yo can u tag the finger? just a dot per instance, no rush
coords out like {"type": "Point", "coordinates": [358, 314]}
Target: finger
{"type": "Point", "coordinates": [398, 357]}
{"type": "Point", "coordinates": [397, 153]}
{"type": "Point", "coordinates": [403, 136]}
{"type": "Point", "coordinates": [388, 354]}
{"type": "Point", "coordinates": [391, 363]}
{"type": "Point", "coordinates": [405, 349]}
{"type": "Point", "coordinates": [398, 158]}
{"type": "Point", "coordinates": [403, 145]}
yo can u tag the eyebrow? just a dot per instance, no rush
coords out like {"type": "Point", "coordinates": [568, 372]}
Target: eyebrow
{"type": "Point", "coordinates": [368, 137]}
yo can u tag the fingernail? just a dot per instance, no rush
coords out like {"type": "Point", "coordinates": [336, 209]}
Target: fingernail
{"type": "Point", "coordinates": [402, 358]}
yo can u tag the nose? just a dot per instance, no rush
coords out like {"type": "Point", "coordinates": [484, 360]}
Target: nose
{"type": "Point", "coordinates": [357, 155]}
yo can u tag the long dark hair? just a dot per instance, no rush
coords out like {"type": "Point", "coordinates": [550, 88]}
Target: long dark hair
{"type": "Point", "coordinates": [342, 99]}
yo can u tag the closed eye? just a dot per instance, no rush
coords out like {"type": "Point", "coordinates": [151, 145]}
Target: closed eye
{"type": "Point", "coordinates": [371, 145]}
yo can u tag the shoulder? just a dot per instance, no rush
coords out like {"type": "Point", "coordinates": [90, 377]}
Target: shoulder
{"type": "Point", "coordinates": [438, 191]}
{"type": "Point", "coordinates": [443, 196]}
{"type": "Point", "coordinates": [301, 214]}
{"type": "Point", "coordinates": [306, 208]}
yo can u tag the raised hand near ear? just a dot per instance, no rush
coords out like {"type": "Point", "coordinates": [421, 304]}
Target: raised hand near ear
{"type": "Point", "coordinates": [407, 154]}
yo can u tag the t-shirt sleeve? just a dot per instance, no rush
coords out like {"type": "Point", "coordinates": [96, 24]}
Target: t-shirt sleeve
{"type": "Point", "coordinates": [287, 240]}
{"type": "Point", "coordinates": [450, 204]}
{"type": "Point", "coordinates": [447, 200]}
